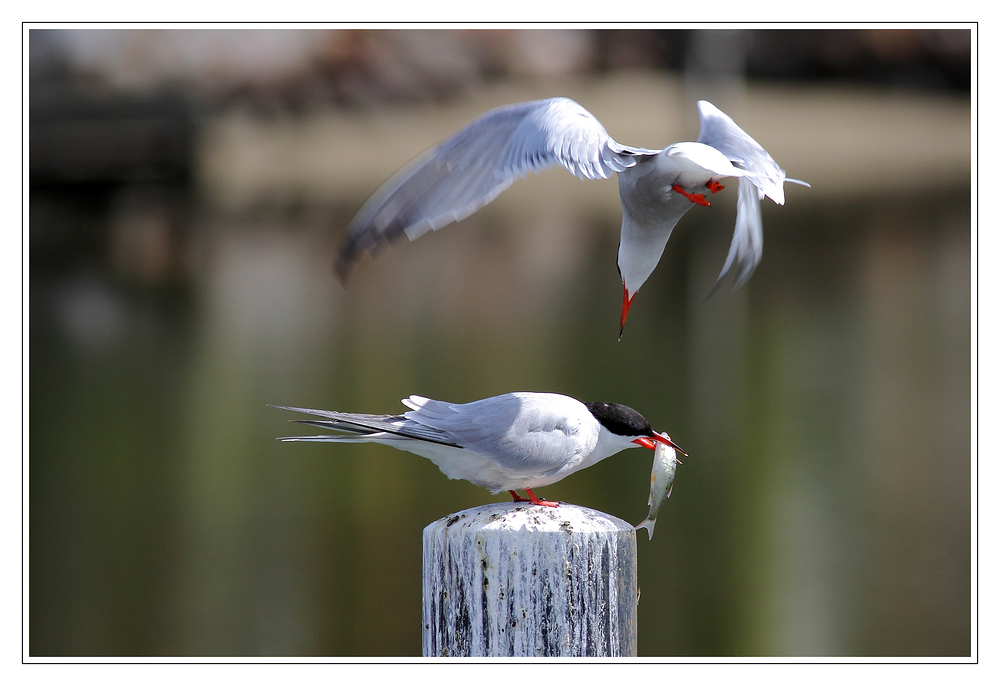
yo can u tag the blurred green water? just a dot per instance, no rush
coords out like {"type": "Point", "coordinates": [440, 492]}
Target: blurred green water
{"type": "Point", "coordinates": [824, 509]}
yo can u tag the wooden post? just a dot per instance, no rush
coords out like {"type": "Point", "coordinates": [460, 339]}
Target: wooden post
{"type": "Point", "coordinates": [519, 580]}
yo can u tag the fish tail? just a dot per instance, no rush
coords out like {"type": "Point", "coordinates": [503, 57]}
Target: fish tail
{"type": "Point", "coordinates": [648, 525]}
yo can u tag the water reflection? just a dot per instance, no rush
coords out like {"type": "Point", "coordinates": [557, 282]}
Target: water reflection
{"type": "Point", "coordinates": [824, 509]}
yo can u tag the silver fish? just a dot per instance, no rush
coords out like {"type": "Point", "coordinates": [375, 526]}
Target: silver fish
{"type": "Point", "coordinates": [661, 483]}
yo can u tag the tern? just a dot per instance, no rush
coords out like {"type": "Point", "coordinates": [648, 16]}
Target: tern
{"type": "Point", "coordinates": [510, 442]}
{"type": "Point", "coordinates": [471, 168]}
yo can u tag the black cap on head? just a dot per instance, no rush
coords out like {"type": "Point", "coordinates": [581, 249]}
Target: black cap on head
{"type": "Point", "coordinates": [620, 420]}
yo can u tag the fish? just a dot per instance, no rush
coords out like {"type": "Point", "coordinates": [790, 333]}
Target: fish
{"type": "Point", "coordinates": [661, 483]}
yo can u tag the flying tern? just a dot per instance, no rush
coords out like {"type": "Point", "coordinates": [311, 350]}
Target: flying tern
{"type": "Point", "coordinates": [471, 168]}
{"type": "Point", "coordinates": [511, 442]}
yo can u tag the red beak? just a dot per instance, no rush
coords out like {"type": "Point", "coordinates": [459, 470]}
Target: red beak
{"type": "Point", "coordinates": [626, 303]}
{"type": "Point", "coordinates": [658, 438]}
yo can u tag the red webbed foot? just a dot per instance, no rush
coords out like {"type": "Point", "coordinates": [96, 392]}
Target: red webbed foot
{"type": "Point", "coordinates": [714, 186]}
{"type": "Point", "coordinates": [532, 498]}
{"type": "Point", "coordinates": [696, 198]}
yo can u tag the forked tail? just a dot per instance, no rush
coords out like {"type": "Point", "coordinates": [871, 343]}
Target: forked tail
{"type": "Point", "coordinates": [648, 525]}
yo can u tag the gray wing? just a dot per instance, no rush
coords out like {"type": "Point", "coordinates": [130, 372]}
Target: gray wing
{"type": "Point", "coordinates": [356, 427]}
{"type": "Point", "coordinates": [469, 169]}
{"type": "Point", "coordinates": [514, 430]}
{"type": "Point", "coordinates": [763, 177]}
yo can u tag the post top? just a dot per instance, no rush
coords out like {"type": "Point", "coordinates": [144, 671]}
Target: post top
{"type": "Point", "coordinates": [512, 516]}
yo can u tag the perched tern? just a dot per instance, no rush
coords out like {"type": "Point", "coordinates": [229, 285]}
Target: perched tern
{"type": "Point", "coordinates": [516, 441]}
{"type": "Point", "coordinates": [471, 168]}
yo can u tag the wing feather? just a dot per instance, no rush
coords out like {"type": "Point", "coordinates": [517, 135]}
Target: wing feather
{"type": "Point", "coordinates": [512, 430]}
{"type": "Point", "coordinates": [472, 167]}
{"type": "Point", "coordinates": [762, 177]}
{"type": "Point", "coordinates": [722, 133]}
{"type": "Point", "coordinates": [747, 246]}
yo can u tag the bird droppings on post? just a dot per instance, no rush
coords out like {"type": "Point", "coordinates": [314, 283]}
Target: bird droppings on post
{"type": "Point", "coordinates": [523, 581]}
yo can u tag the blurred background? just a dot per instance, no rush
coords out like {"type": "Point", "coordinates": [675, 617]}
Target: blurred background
{"type": "Point", "coordinates": [189, 188]}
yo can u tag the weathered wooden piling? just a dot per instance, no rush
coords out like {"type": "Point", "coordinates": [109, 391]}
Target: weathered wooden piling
{"type": "Point", "coordinates": [519, 580]}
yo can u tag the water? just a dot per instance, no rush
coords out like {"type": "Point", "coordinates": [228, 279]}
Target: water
{"type": "Point", "coordinates": [824, 508]}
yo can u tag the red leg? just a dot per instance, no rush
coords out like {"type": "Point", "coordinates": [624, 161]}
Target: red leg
{"type": "Point", "coordinates": [714, 186]}
{"type": "Point", "coordinates": [535, 500]}
{"type": "Point", "coordinates": [517, 498]}
{"type": "Point", "coordinates": [696, 198]}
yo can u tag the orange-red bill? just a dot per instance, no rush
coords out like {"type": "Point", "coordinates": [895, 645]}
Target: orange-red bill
{"type": "Point", "coordinates": [658, 438]}
{"type": "Point", "coordinates": [626, 304]}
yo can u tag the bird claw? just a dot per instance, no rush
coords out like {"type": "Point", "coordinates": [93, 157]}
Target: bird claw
{"type": "Point", "coordinates": [696, 198]}
{"type": "Point", "coordinates": [714, 186]}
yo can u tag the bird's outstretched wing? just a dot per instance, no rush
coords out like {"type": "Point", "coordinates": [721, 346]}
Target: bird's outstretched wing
{"type": "Point", "coordinates": [762, 177]}
{"type": "Point", "coordinates": [468, 170]}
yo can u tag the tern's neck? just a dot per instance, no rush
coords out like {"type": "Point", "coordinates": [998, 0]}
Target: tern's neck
{"type": "Point", "coordinates": [608, 444]}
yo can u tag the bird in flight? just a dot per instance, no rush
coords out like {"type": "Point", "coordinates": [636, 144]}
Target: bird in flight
{"type": "Point", "coordinates": [472, 167]}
